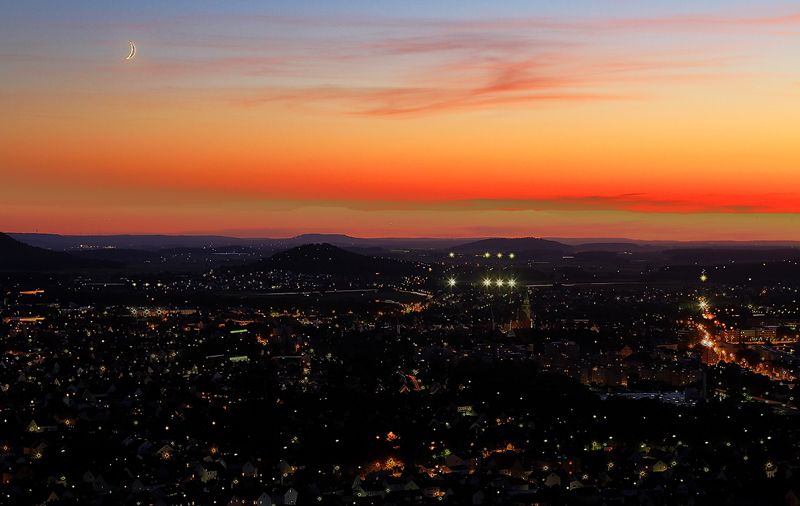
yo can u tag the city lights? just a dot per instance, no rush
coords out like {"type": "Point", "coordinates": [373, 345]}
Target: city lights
{"type": "Point", "coordinates": [276, 250]}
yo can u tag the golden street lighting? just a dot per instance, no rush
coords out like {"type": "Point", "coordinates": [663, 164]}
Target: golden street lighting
{"type": "Point", "coordinates": [499, 282]}
{"type": "Point", "coordinates": [451, 282]}
{"type": "Point", "coordinates": [511, 283]}
{"type": "Point", "coordinates": [487, 282]}
{"type": "Point", "coordinates": [511, 255]}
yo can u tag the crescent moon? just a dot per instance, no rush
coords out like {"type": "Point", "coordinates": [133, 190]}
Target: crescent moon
{"type": "Point", "coordinates": [133, 51]}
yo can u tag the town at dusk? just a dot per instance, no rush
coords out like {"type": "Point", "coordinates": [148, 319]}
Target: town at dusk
{"type": "Point", "coordinates": [357, 253]}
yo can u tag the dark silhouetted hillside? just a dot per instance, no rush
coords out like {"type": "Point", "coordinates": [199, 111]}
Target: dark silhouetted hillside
{"type": "Point", "coordinates": [614, 246]}
{"type": "Point", "coordinates": [738, 273]}
{"type": "Point", "coordinates": [18, 256]}
{"type": "Point", "coordinates": [600, 256]}
{"type": "Point", "coordinates": [117, 254]}
{"type": "Point", "coordinates": [717, 255]}
{"type": "Point", "coordinates": [325, 258]}
{"type": "Point", "coordinates": [511, 246]}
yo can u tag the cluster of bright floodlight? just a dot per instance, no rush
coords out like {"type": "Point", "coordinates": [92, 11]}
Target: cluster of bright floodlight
{"type": "Point", "coordinates": [499, 255]}
{"type": "Point", "coordinates": [488, 283]}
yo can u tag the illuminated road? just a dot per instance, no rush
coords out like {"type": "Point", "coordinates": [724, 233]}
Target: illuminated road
{"type": "Point", "coordinates": [774, 371]}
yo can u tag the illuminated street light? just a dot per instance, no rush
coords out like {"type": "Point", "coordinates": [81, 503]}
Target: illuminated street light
{"type": "Point", "coordinates": [487, 282]}
{"type": "Point", "coordinates": [499, 255]}
{"type": "Point", "coordinates": [511, 255]}
{"type": "Point", "coordinates": [512, 283]}
{"type": "Point", "coordinates": [499, 282]}
{"type": "Point", "coordinates": [452, 255]}
{"type": "Point", "coordinates": [451, 281]}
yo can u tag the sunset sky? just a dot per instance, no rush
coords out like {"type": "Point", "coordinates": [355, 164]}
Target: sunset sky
{"type": "Point", "coordinates": [644, 120]}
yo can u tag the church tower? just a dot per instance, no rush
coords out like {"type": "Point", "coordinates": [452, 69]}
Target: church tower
{"type": "Point", "coordinates": [521, 318]}
{"type": "Point", "coordinates": [526, 306]}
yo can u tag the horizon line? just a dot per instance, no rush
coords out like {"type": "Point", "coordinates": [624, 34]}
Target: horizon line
{"type": "Point", "coordinates": [415, 238]}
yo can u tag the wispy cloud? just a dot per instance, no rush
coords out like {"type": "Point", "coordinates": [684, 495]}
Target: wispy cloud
{"type": "Point", "coordinates": [411, 101]}
{"type": "Point", "coordinates": [408, 67]}
{"type": "Point", "coordinates": [483, 83]}
{"type": "Point", "coordinates": [404, 67]}
{"type": "Point", "coordinates": [434, 66]}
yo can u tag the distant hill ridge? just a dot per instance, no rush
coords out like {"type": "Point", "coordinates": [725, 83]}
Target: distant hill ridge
{"type": "Point", "coordinates": [156, 242]}
{"type": "Point", "coordinates": [18, 256]}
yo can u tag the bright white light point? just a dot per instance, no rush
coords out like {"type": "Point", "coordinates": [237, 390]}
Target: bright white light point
{"type": "Point", "coordinates": [703, 277]}
{"type": "Point", "coordinates": [487, 282]}
{"type": "Point", "coordinates": [499, 255]}
{"type": "Point", "coordinates": [499, 282]}
{"type": "Point", "coordinates": [511, 255]}
{"type": "Point", "coordinates": [452, 255]}
{"type": "Point", "coordinates": [512, 283]}
{"type": "Point", "coordinates": [487, 254]}
{"type": "Point", "coordinates": [452, 282]}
